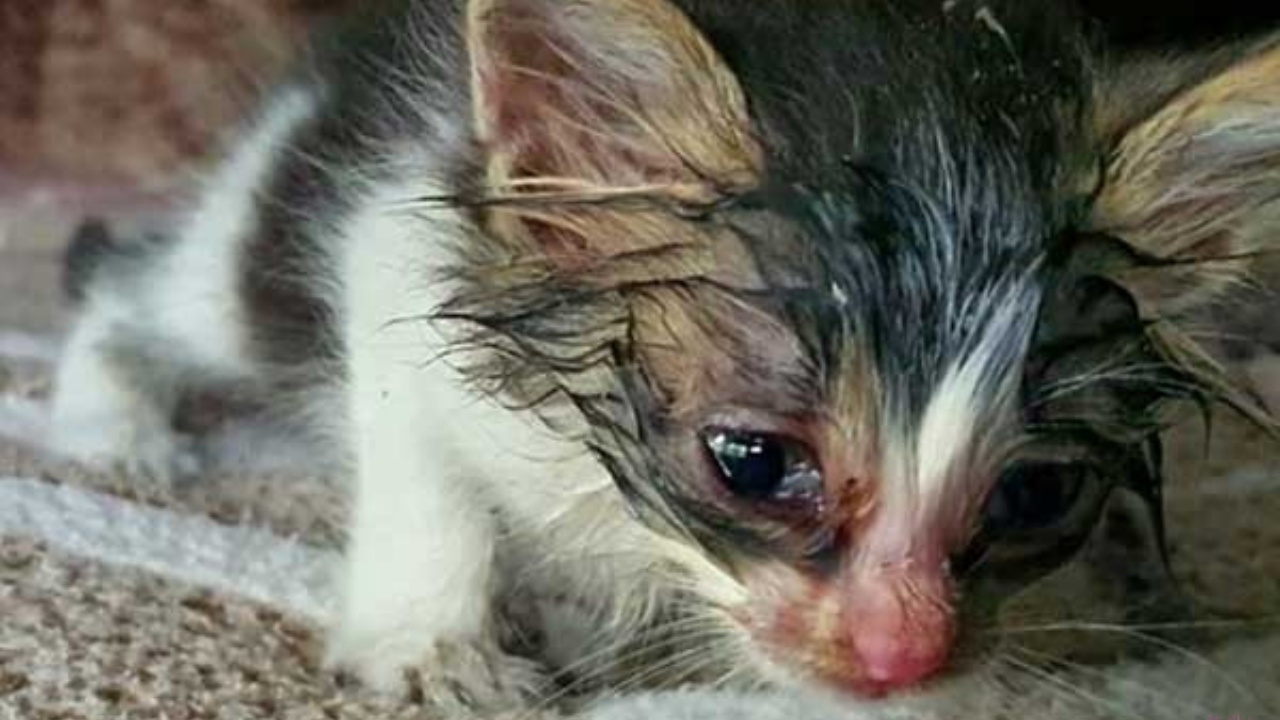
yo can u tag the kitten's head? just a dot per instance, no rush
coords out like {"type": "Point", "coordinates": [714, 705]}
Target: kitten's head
{"type": "Point", "coordinates": [873, 303]}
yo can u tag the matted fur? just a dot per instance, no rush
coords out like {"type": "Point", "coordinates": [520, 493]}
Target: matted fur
{"type": "Point", "coordinates": [554, 245]}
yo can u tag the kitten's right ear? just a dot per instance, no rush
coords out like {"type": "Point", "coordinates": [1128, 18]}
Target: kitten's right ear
{"type": "Point", "coordinates": [1194, 179]}
{"type": "Point", "coordinates": [1192, 184]}
{"type": "Point", "coordinates": [604, 97]}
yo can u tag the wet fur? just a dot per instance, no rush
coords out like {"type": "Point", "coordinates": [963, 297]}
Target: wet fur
{"type": "Point", "coordinates": [890, 225]}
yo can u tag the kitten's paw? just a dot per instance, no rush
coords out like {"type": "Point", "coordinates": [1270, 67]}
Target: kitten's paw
{"type": "Point", "coordinates": [455, 678]}
{"type": "Point", "coordinates": [145, 449]}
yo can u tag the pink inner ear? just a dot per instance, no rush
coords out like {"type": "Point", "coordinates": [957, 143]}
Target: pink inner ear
{"type": "Point", "coordinates": [613, 94]}
{"type": "Point", "coordinates": [600, 99]}
{"type": "Point", "coordinates": [517, 69]}
{"type": "Point", "coordinates": [543, 106]}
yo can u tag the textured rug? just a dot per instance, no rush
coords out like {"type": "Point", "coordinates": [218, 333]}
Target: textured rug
{"type": "Point", "coordinates": [120, 599]}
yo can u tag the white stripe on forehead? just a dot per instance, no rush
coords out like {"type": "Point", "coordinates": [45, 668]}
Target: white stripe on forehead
{"type": "Point", "coordinates": [926, 465]}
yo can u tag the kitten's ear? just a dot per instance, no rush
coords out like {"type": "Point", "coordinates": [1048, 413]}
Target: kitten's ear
{"type": "Point", "coordinates": [604, 96]}
{"type": "Point", "coordinates": [1196, 181]}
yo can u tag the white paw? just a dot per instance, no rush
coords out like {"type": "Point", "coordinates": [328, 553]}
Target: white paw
{"type": "Point", "coordinates": [141, 447]}
{"type": "Point", "coordinates": [455, 678]}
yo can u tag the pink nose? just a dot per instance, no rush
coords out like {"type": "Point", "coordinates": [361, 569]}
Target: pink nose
{"type": "Point", "coordinates": [894, 662]}
{"type": "Point", "coordinates": [898, 629]}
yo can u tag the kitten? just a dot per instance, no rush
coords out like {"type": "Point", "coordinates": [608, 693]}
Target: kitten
{"type": "Point", "coordinates": [782, 340]}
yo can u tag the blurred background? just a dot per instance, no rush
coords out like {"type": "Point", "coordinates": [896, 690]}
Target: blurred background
{"type": "Point", "coordinates": [105, 103]}
{"type": "Point", "coordinates": [107, 106]}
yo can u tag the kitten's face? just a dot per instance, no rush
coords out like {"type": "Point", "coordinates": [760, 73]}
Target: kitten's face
{"type": "Point", "coordinates": [859, 429]}
{"type": "Point", "coordinates": [832, 290]}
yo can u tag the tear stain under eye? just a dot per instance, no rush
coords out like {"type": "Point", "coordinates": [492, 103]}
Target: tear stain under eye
{"type": "Point", "coordinates": [857, 500]}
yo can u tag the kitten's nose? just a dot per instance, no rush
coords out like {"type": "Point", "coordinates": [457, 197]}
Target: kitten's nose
{"type": "Point", "coordinates": [899, 628]}
{"type": "Point", "coordinates": [893, 662]}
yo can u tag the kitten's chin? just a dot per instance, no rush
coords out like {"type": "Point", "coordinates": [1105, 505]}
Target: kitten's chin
{"type": "Point", "coordinates": [939, 695]}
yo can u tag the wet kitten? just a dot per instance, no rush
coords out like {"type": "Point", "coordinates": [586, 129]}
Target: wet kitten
{"type": "Point", "coordinates": [784, 339]}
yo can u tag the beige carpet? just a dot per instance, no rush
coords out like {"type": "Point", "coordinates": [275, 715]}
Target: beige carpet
{"type": "Point", "coordinates": [123, 600]}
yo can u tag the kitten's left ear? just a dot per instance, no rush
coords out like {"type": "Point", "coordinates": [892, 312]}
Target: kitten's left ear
{"type": "Point", "coordinates": [1196, 183]}
{"type": "Point", "coordinates": [608, 95]}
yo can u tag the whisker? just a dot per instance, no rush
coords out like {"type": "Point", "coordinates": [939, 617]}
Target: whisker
{"type": "Point", "coordinates": [1064, 687]}
{"type": "Point", "coordinates": [705, 658]}
{"type": "Point", "coordinates": [1186, 653]}
{"type": "Point", "coordinates": [1158, 694]}
{"type": "Point", "coordinates": [1172, 625]}
{"type": "Point", "coordinates": [583, 677]}
{"type": "Point", "coordinates": [666, 636]}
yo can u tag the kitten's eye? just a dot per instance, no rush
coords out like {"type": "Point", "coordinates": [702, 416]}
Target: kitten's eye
{"type": "Point", "coordinates": [761, 466]}
{"type": "Point", "coordinates": [1034, 496]}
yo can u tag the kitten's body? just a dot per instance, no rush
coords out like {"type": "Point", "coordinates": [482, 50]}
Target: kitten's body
{"type": "Point", "coordinates": [265, 285]}
{"type": "Point", "coordinates": [320, 264]}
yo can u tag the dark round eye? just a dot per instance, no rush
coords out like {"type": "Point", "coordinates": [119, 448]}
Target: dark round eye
{"type": "Point", "coordinates": [761, 466]}
{"type": "Point", "coordinates": [1034, 496]}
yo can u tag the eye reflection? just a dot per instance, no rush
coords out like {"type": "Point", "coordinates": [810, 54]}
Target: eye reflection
{"type": "Point", "coordinates": [762, 466]}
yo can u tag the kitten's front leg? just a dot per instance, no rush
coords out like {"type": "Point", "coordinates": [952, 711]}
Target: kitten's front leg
{"type": "Point", "coordinates": [420, 567]}
{"type": "Point", "coordinates": [417, 605]}
{"type": "Point", "coordinates": [114, 395]}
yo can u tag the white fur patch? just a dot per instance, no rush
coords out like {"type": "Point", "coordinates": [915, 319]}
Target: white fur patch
{"type": "Point", "coordinates": [435, 464]}
{"type": "Point", "coordinates": [965, 416]}
{"type": "Point", "coordinates": [422, 545]}
{"type": "Point", "coordinates": [194, 291]}
{"type": "Point", "coordinates": [183, 308]}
